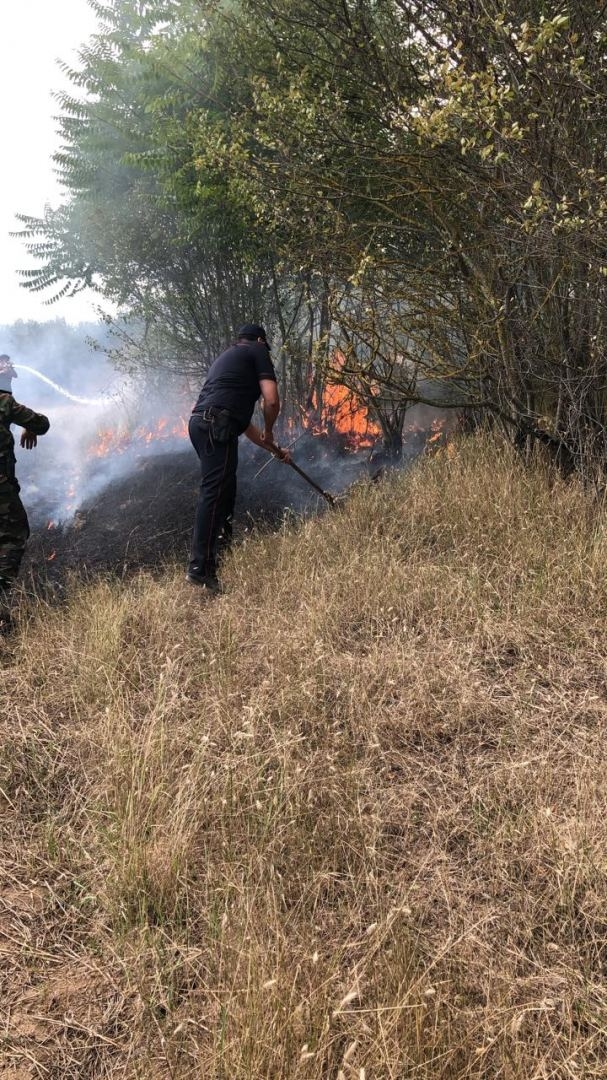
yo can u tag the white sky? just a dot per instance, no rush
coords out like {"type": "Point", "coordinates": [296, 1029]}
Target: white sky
{"type": "Point", "coordinates": [33, 35]}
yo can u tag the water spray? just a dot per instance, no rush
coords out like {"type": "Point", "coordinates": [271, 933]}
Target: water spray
{"type": "Point", "coordinates": [61, 390]}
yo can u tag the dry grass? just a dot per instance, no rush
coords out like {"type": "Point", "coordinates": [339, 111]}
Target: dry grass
{"type": "Point", "coordinates": [347, 821]}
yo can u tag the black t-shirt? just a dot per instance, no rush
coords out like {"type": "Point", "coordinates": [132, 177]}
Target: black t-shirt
{"type": "Point", "coordinates": [233, 380]}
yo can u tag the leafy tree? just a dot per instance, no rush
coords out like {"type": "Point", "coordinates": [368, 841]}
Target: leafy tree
{"type": "Point", "coordinates": [449, 158]}
{"type": "Point", "coordinates": [167, 243]}
{"type": "Point", "coordinates": [419, 185]}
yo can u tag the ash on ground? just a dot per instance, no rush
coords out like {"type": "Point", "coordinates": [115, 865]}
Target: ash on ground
{"type": "Point", "coordinates": [144, 520]}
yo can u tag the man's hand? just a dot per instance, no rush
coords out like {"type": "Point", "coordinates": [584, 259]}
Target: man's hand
{"type": "Point", "coordinates": [268, 442]}
{"type": "Point", "coordinates": [282, 455]}
{"type": "Point", "coordinates": [265, 439]}
{"type": "Point", "coordinates": [28, 440]}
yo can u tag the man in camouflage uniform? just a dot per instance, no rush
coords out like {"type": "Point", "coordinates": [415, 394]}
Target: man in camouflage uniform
{"type": "Point", "coordinates": [14, 527]}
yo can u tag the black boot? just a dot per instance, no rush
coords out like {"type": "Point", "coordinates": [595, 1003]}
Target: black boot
{"type": "Point", "coordinates": [204, 581]}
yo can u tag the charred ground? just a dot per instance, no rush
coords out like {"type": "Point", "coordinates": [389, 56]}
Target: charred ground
{"type": "Point", "coordinates": [144, 518]}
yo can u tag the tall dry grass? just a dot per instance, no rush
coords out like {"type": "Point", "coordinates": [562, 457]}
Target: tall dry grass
{"type": "Point", "coordinates": [348, 820]}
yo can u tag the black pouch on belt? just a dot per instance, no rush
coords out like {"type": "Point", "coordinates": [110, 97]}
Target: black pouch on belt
{"type": "Point", "coordinates": [221, 424]}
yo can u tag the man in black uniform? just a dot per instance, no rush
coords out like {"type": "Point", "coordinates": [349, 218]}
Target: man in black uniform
{"type": "Point", "coordinates": [235, 382]}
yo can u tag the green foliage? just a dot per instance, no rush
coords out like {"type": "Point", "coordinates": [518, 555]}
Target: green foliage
{"type": "Point", "coordinates": [444, 167]}
{"type": "Point", "coordinates": [422, 185]}
{"type": "Point", "coordinates": [163, 241]}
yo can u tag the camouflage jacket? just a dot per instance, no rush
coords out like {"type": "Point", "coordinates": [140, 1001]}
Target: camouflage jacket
{"type": "Point", "coordinates": [11, 412]}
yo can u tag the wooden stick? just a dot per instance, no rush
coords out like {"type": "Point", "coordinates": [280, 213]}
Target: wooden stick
{"type": "Point", "coordinates": [325, 494]}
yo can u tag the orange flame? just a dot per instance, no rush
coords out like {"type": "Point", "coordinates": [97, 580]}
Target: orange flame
{"type": "Point", "coordinates": [118, 442]}
{"type": "Point", "coordinates": [438, 437]}
{"type": "Point", "coordinates": [342, 412]}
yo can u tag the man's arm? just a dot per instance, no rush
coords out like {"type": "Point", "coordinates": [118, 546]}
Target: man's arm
{"type": "Point", "coordinates": [259, 439]}
{"type": "Point", "coordinates": [33, 422]}
{"type": "Point", "coordinates": [270, 408]}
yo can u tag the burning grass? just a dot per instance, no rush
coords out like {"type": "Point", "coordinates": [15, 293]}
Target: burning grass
{"type": "Point", "coordinates": [346, 821]}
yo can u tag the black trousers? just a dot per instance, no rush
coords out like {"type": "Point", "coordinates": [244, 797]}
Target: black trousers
{"type": "Point", "coordinates": [218, 464]}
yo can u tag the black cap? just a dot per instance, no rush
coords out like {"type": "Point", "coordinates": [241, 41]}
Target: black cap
{"type": "Point", "coordinates": [252, 331]}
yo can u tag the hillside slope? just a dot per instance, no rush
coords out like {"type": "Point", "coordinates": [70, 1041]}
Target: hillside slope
{"type": "Point", "coordinates": [346, 821]}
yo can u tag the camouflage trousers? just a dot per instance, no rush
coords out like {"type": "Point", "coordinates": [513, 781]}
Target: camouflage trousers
{"type": "Point", "coordinates": [14, 531]}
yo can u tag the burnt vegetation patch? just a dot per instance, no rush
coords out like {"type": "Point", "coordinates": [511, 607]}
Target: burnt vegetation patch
{"type": "Point", "coordinates": [145, 518]}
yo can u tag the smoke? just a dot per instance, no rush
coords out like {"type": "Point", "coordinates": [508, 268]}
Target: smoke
{"type": "Point", "coordinates": [106, 427]}
{"type": "Point", "coordinates": [103, 423]}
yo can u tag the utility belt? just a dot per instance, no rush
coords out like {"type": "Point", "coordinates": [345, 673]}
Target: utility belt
{"type": "Point", "coordinates": [222, 427]}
